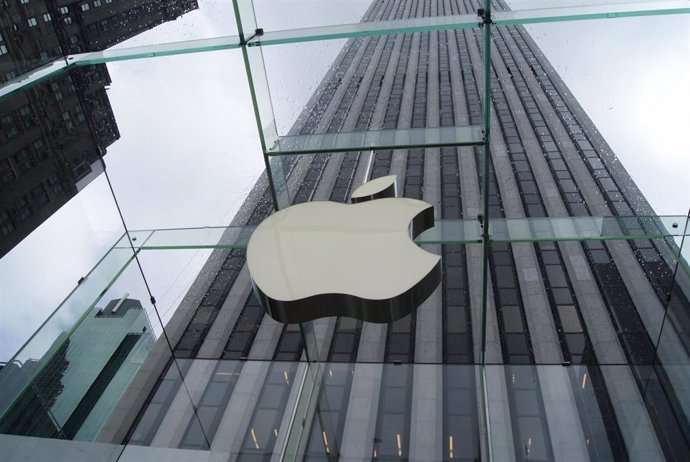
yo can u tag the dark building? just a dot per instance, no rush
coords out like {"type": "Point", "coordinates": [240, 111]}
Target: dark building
{"type": "Point", "coordinates": [577, 366]}
{"type": "Point", "coordinates": [54, 134]}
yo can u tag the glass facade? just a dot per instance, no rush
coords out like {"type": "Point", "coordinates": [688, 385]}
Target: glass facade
{"type": "Point", "coordinates": [560, 328]}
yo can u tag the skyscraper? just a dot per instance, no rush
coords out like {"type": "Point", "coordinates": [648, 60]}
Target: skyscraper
{"type": "Point", "coordinates": [590, 310]}
{"type": "Point", "coordinates": [54, 134]}
{"type": "Point", "coordinates": [574, 368]}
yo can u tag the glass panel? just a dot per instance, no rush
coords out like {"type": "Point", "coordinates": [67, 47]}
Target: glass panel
{"type": "Point", "coordinates": [670, 372]}
{"type": "Point", "coordinates": [49, 351]}
{"type": "Point", "coordinates": [216, 238]}
{"type": "Point", "coordinates": [588, 128]}
{"type": "Point", "coordinates": [173, 277]}
{"type": "Point", "coordinates": [374, 92]}
{"type": "Point", "coordinates": [364, 29]}
{"type": "Point", "coordinates": [59, 254]}
{"type": "Point", "coordinates": [245, 17]}
{"type": "Point", "coordinates": [162, 49]}
{"type": "Point", "coordinates": [261, 97]}
{"type": "Point", "coordinates": [135, 25]}
{"type": "Point", "coordinates": [31, 37]}
{"type": "Point", "coordinates": [30, 79]}
{"type": "Point", "coordinates": [443, 232]}
{"type": "Point", "coordinates": [53, 135]}
{"type": "Point", "coordinates": [92, 26]}
{"type": "Point", "coordinates": [578, 12]}
{"type": "Point", "coordinates": [193, 145]}
{"type": "Point", "coordinates": [379, 140]}
{"type": "Point", "coordinates": [276, 15]}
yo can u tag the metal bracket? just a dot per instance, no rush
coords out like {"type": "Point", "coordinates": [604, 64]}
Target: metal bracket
{"type": "Point", "coordinates": [485, 15]}
{"type": "Point", "coordinates": [257, 33]}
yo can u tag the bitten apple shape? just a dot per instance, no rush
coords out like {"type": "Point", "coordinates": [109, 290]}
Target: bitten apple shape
{"type": "Point", "coordinates": [320, 259]}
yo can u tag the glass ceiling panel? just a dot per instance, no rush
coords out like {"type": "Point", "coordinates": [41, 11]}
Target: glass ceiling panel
{"type": "Point", "coordinates": [576, 12]}
{"type": "Point", "coordinates": [193, 238]}
{"type": "Point", "coordinates": [156, 50]}
{"type": "Point", "coordinates": [378, 140]}
{"type": "Point", "coordinates": [182, 20]}
{"type": "Point", "coordinates": [614, 104]}
{"type": "Point", "coordinates": [28, 80]}
{"type": "Point", "coordinates": [157, 42]}
{"type": "Point", "coordinates": [184, 137]}
{"type": "Point", "coordinates": [445, 232]}
{"type": "Point", "coordinates": [363, 29]}
{"type": "Point", "coordinates": [54, 332]}
{"type": "Point", "coordinates": [276, 15]}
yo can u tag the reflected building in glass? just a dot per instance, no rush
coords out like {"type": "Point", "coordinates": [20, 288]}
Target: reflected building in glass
{"type": "Point", "coordinates": [585, 354]}
{"type": "Point", "coordinates": [54, 134]}
{"type": "Point", "coordinates": [71, 396]}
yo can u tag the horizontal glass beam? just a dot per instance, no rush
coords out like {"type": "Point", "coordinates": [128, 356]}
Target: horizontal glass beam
{"type": "Point", "coordinates": [579, 13]}
{"type": "Point", "coordinates": [161, 49]}
{"type": "Point", "coordinates": [586, 228]}
{"type": "Point", "coordinates": [472, 135]}
{"type": "Point", "coordinates": [500, 18]}
{"type": "Point", "coordinates": [444, 232]}
{"type": "Point", "coordinates": [28, 80]}
{"type": "Point", "coordinates": [468, 21]}
{"type": "Point", "coordinates": [189, 238]}
{"type": "Point", "coordinates": [362, 29]}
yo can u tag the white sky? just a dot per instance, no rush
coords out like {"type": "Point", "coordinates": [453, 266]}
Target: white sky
{"type": "Point", "coordinates": [189, 151]}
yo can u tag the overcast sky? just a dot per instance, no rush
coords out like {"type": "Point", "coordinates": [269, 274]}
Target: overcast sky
{"type": "Point", "coordinates": [189, 151]}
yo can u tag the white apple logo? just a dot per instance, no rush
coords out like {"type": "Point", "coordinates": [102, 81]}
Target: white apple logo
{"type": "Point", "coordinates": [320, 259]}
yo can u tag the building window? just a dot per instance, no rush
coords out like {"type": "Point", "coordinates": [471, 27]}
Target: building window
{"type": "Point", "coordinates": [96, 3]}
{"type": "Point", "coordinates": [81, 170]}
{"type": "Point", "coordinates": [6, 225]}
{"type": "Point", "coordinates": [69, 86]}
{"type": "Point", "coordinates": [67, 20]}
{"type": "Point", "coordinates": [105, 25]}
{"type": "Point", "coordinates": [39, 195]}
{"type": "Point", "coordinates": [54, 184]}
{"type": "Point", "coordinates": [57, 90]}
{"type": "Point", "coordinates": [23, 160]}
{"type": "Point", "coordinates": [80, 114]}
{"type": "Point", "coordinates": [47, 17]}
{"type": "Point", "coordinates": [32, 22]}
{"type": "Point", "coordinates": [67, 118]}
{"type": "Point", "coordinates": [85, 7]}
{"type": "Point", "coordinates": [22, 209]}
{"type": "Point", "coordinates": [24, 2]}
{"type": "Point", "coordinates": [73, 39]}
{"type": "Point", "coordinates": [108, 1]}
{"type": "Point", "coordinates": [9, 125]}
{"type": "Point", "coordinates": [27, 116]}
{"type": "Point", "coordinates": [63, 10]}
{"type": "Point", "coordinates": [3, 47]}
{"type": "Point", "coordinates": [7, 174]}
{"type": "Point", "coordinates": [40, 149]}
